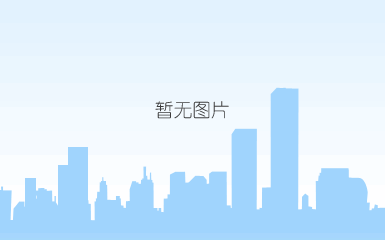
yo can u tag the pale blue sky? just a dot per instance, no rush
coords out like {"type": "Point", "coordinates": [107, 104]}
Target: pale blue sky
{"type": "Point", "coordinates": [192, 11]}
{"type": "Point", "coordinates": [88, 73]}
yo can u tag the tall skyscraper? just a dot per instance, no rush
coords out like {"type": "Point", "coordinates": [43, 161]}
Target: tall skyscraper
{"type": "Point", "coordinates": [244, 170]}
{"type": "Point", "coordinates": [283, 193]}
{"type": "Point", "coordinates": [73, 186]}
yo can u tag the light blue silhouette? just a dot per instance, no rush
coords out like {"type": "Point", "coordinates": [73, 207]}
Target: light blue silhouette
{"type": "Point", "coordinates": [141, 196]}
{"type": "Point", "coordinates": [73, 187]}
{"type": "Point", "coordinates": [244, 170]}
{"type": "Point", "coordinates": [339, 194]}
{"type": "Point", "coordinates": [5, 205]}
{"type": "Point", "coordinates": [196, 197]}
{"type": "Point", "coordinates": [107, 210]}
{"type": "Point", "coordinates": [198, 209]}
{"type": "Point", "coordinates": [282, 196]}
{"type": "Point", "coordinates": [38, 206]}
{"type": "Point", "coordinates": [305, 203]}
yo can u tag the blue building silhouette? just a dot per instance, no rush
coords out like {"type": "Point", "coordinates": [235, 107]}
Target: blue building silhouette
{"type": "Point", "coordinates": [282, 195]}
{"type": "Point", "coordinates": [38, 206]}
{"type": "Point", "coordinates": [338, 193]}
{"type": "Point", "coordinates": [107, 210]}
{"type": "Point", "coordinates": [174, 203]}
{"type": "Point", "coordinates": [19, 212]}
{"type": "Point", "coordinates": [200, 205]}
{"type": "Point", "coordinates": [197, 197]}
{"type": "Point", "coordinates": [73, 187]}
{"type": "Point", "coordinates": [5, 205]}
{"type": "Point", "coordinates": [305, 203]}
{"type": "Point", "coordinates": [218, 192]}
{"type": "Point", "coordinates": [244, 170]}
{"type": "Point", "coordinates": [30, 193]}
{"type": "Point", "coordinates": [141, 196]}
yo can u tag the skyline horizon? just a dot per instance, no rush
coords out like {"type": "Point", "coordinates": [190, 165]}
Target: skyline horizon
{"type": "Point", "coordinates": [298, 202]}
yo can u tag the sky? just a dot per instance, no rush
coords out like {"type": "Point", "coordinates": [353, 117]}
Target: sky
{"type": "Point", "coordinates": [88, 74]}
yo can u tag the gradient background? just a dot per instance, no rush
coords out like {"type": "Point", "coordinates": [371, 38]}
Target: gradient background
{"type": "Point", "coordinates": [88, 73]}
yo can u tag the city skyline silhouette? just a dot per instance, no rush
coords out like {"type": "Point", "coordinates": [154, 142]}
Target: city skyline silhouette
{"type": "Point", "coordinates": [200, 205]}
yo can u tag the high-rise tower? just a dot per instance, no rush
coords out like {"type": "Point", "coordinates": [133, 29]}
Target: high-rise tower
{"type": "Point", "coordinates": [244, 169]}
{"type": "Point", "coordinates": [283, 193]}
